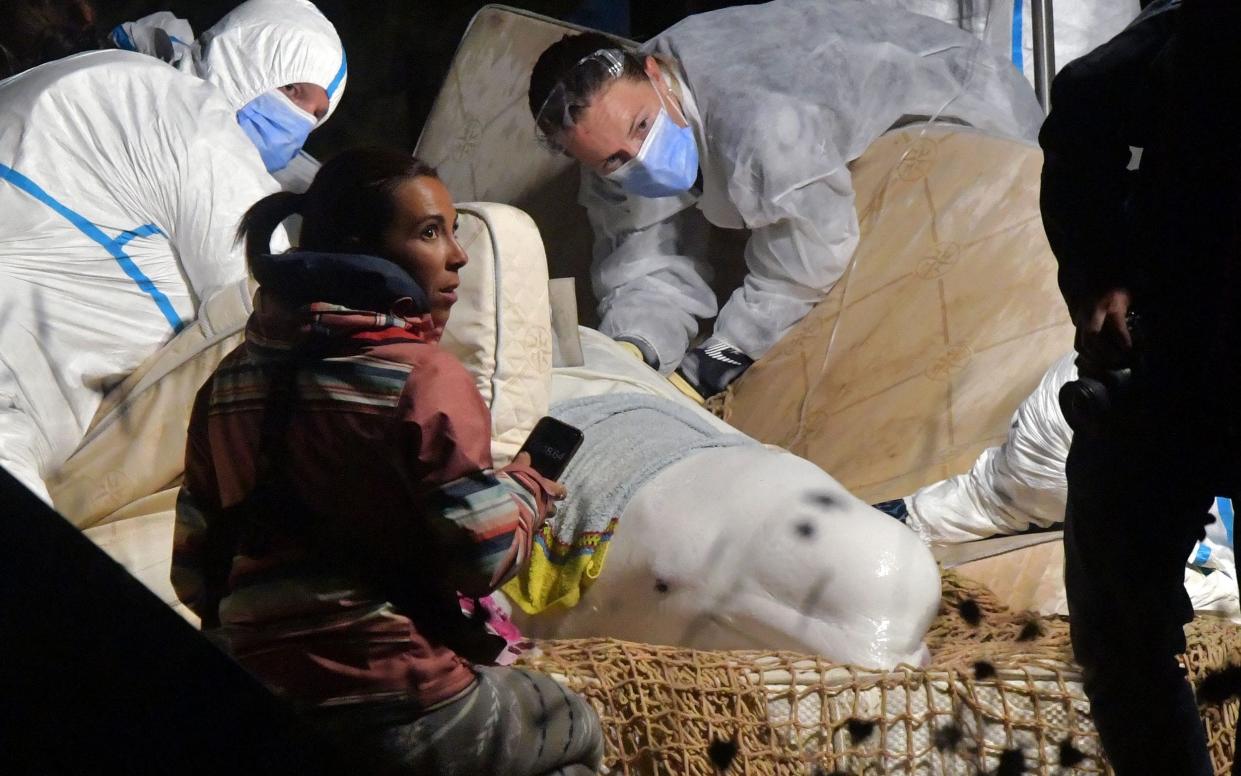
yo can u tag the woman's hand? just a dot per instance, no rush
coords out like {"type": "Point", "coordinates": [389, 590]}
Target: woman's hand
{"type": "Point", "coordinates": [554, 489]}
{"type": "Point", "coordinates": [546, 492]}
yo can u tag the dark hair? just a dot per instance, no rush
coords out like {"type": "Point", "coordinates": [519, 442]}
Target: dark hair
{"type": "Point", "coordinates": [558, 64]}
{"type": "Point", "coordinates": [346, 209]}
{"type": "Point", "coordinates": [36, 31]}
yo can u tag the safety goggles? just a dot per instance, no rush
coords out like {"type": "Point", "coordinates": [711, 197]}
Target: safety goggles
{"type": "Point", "coordinates": [600, 67]}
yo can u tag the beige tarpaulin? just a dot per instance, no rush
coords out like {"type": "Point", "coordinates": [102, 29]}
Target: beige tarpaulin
{"type": "Point", "coordinates": [945, 321]}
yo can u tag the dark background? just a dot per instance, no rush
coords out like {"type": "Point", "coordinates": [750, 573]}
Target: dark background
{"type": "Point", "coordinates": [399, 51]}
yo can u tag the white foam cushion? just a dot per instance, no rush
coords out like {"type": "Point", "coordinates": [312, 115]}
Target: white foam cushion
{"type": "Point", "coordinates": [501, 325]}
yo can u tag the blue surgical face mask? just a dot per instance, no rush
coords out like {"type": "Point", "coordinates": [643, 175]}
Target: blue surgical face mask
{"type": "Point", "coordinates": [667, 162]}
{"type": "Point", "coordinates": [276, 126]}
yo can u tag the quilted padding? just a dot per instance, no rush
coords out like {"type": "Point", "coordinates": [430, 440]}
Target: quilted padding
{"type": "Point", "coordinates": [501, 325]}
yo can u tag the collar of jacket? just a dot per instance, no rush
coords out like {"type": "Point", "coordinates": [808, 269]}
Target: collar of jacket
{"type": "Point", "coordinates": [355, 281]}
{"type": "Point", "coordinates": [306, 296]}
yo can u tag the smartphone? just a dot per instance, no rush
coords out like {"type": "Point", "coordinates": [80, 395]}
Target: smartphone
{"type": "Point", "coordinates": [551, 446]}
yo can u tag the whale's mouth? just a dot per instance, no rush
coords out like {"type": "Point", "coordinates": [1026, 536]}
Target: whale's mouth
{"type": "Point", "coordinates": [836, 641]}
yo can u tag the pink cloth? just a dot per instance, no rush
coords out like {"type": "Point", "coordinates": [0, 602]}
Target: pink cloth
{"type": "Point", "coordinates": [499, 624]}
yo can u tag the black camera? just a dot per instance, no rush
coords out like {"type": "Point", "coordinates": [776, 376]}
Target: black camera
{"type": "Point", "coordinates": [1088, 401]}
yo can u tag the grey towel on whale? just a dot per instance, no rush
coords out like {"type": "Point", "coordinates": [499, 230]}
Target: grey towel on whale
{"type": "Point", "coordinates": [629, 438]}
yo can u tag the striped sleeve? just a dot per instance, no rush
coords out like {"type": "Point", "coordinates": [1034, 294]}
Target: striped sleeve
{"type": "Point", "coordinates": [482, 520]}
{"type": "Point", "coordinates": [485, 520]}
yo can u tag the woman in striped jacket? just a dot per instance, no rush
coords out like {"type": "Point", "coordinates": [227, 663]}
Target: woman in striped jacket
{"type": "Point", "coordinates": [339, 492]}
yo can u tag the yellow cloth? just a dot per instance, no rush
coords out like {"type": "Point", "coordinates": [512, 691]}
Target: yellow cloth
{"type": "Point", "coordinates": [558, 574]}
{"type": "Point", "coordinates": [632, 349]}
{"type": "Point", "coordinates": [677, 381]}
{"type": "Point", "coordinates": [685, 388]}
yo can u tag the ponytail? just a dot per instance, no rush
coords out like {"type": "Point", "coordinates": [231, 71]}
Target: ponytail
{"type": "Point", "coordinates": [261, 220]}
{"type": "Point", "coordinates": [347, 208]}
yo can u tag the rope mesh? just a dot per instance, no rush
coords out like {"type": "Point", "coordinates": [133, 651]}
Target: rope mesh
{"type": "Point", "coordinates": [1002, 685]}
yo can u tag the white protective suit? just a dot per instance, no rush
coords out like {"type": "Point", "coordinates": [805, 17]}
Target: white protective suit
{"type": "Point", "coordinates": [781, 97]}
{"type": "Point", "coordinates": [1021, 484]}
{"type": "Point", "coordinates": [122, 182]}
{"type": "Point", "coordinates": [163, 35]}
{"type": "Point", "coordinates": [1080, 25]}
{"type": "Point", "coordinates": [258, 46]}
{"type": "Point", "coordinates": [1011, 488]}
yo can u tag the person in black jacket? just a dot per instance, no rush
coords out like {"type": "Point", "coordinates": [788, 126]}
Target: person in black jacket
{"type": "Point", "coordinates": [1140, 203]}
